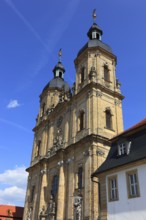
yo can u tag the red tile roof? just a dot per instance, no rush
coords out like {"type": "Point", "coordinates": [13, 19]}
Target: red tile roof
{"type": "Point", "coordinates": [11, 211]}
{"type": "Point", "coordinates": [132, 129]}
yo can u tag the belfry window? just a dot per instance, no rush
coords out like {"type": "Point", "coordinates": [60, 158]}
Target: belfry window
{"type": "Point", "coordinates": [108, 119]}
{"type": "Point", "coordinates": [106, 73]}
{"type": "Point", "coordinates": [82, 74]}
{"type": "Point", "coordinates": [54, 186]}
{"type": "Point", "coordinates": [60, 74]}
{"type": "Point", "coordinates": [81, 120]}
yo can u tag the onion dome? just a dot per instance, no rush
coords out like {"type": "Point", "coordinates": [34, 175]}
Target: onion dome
{"type": "Point", "coordinates": [58, 81]}
{"type": "Point", "coordinates": [94, 34]}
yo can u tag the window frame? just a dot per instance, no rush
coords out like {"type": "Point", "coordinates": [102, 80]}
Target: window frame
{"type": "Point", "coordinates": [55, 184]}
{"type": "Point", "coordinates": [82, 75]}
{"type": "Point", "coordinates": [124, 148]}
{"type": "Point", "coordinates": [132, 187]}
{"type": "Point", "coordinates": [108, 119]}
{"type": "Point", "coordinates": [113, 189]}
{"type": "Point", "coordinates": [106, 73]}
{"type": "Point", "coordinates": [81, 120]}
{"type": "Point", "coordinates": [80, 177]}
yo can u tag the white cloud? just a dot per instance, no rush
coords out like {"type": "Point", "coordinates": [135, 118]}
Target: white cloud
{"type": "Point", "coordinates": [13, 104]}
{"type": "Point", "coordinates": [13, 186]}
{"type": "Point", "coordinates": [12, 195]}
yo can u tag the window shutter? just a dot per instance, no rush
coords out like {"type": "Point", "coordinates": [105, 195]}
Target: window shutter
{"type": "Point", "coordinates": [119, 150]}
{"type": "Point", "coordinates": [128, 147]}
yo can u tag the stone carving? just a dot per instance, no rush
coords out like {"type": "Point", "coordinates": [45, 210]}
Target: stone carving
{"type": "Point", "coordinates": [99, 94]}
{"type": "Point", "coordinates": [118, 84]}
{"type": "Point", "coordinates": [117, 102]}
{"type": "Point", "coordinates": [42, 212]}
{"type": "Point", "coordinates": [92, 74]}
{"type": "Point", "coordinates": [58, 143]}
{"type": "Point", "coordinates": [78, 207]}
{"type": "Point", "coordinates": [29, 215]}
{"type": "Point", "coordinates": [74, 88]}
{"type": "Point", "coordinates": [51, 210]}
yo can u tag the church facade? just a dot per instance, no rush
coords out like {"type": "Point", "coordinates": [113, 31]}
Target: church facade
{"type": "Point", "coordinates": [71, 136]}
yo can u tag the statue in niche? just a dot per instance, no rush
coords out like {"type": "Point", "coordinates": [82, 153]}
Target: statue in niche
{"type": "Point", "coordinates": [51, 210]}
{"type": "Point", "coordinates": [29, 214]}
{"type": "Point", "coordinates": [42, 212]}
{"type": "Point", "coordinates": [78, 208]}
{"type": "Point", "coordinates": [58, 141]}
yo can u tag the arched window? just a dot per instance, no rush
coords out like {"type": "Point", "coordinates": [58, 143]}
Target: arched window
{"type": "Point", "coordinates": [54, 186]}
{"type": "Point", "coordinates": [106, 73]}
{"type": "Point", "coordinates": [81, 120]}
{"type": "Point", "coordinates": [108, 119]}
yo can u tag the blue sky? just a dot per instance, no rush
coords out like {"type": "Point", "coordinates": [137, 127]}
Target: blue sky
{"type": "Point", "coordinates": [31, 34]}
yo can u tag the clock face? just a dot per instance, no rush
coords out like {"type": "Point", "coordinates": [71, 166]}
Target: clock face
{"type": "Point", "coordinates": [59, 121]}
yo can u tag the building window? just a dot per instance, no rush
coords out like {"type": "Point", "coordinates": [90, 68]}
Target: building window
{"type": "Point", "coordinates": [108, 119]}
{"type": "Point", "coordinates": [82, 74]}
{"type": "Point", "coordinates": [81, 120]}
{"type": "Point", "coordinates": [32, 194]}
{"type": "Point", "coordinates": [132, 184]}
{"type": "Point", "coordinates": [54, 186]}
{"type": "Point", "coordinates": [106, 73]}
{"type": "Point", "coordinates": [38, 147]}
{"type": "Point", "coordinates": [124, 148]}
{"type": "Point", "coordinates": [113, 188]}
{"type": "Point", "coordinates": [80, 178]}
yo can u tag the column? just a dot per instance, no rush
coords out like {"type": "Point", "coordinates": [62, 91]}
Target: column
{"type": "Point", "coordinates": [61, 193]}
{"type": "Point", "coordinates": [42, 199]}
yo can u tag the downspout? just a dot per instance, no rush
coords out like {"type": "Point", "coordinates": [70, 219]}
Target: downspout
{"type": "Point", "coordinates": [99, 197]}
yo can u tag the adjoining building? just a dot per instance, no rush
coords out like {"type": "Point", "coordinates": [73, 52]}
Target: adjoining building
{"type": "Point", "coordinates": [9, 212]}
{"type": "Point", "coordinates": [72, 132]}
{"type": "Point", "coordinates": [122, 177]}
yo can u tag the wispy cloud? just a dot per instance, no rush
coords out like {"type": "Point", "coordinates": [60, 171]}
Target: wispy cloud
{"type": "Point", "coordinates": [13, 186]}
{"type": "Point", "coordinates": [56, 33]}
{"type": "Point", "coordinates": [15, 125]}
{"type": "Point", "coordinates": [26, 23]}
{"type": "Point", "coordinates": [13, 104]}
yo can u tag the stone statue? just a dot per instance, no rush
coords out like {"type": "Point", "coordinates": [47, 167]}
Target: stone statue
{"type": "Point", "coordinates": [42, 212]}
{"type": "Point", "coordinates": [78, 208]}
{"type": "Point", "coordinates": [29, 214]}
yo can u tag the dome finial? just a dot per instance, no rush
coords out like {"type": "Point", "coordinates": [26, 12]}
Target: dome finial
{"type": "Point", "coordinates": [59, 55]}
{"type": "Point", "coordinates": [94, 15]}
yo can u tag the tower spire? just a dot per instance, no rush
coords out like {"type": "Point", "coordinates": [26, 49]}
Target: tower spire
{"type": "Point", "coordinates": [59, 68]}
{"type": "Point", "coordinates": [94, 15]}
{"type": "Point", "coordinates": [59, 55]}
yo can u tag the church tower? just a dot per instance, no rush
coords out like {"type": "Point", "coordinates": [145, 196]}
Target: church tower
{"type": "Point", "coordinates": [71, 136]}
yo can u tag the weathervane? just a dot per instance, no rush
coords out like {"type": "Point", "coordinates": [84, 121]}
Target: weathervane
{"type": "Point", "coordinates": [60, 55]}
{"type": "Point", "coordinates": [94, 15]}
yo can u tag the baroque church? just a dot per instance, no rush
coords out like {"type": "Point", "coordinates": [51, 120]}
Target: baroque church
{"type": "Point", "coordinates": [71, 135]}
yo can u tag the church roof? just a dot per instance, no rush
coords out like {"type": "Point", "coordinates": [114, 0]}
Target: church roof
{"type": "Point", "coordinates": [95, 43]}
{"type": "Point", "coordinates": [137, 136]}
{"type": "Point", "coordinates": [57, 83]}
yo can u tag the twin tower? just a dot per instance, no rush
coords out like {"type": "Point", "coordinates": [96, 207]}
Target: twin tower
{"type": "Point", "coordinates": [72, 135]}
